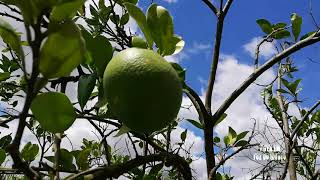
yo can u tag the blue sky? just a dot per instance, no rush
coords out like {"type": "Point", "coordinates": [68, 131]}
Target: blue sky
{"type": "Point", "coordinates": [196, 24]}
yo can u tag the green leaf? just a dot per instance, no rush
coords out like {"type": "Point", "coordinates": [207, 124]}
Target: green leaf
{"type": "Point", "coordinates": [292, 87]}
{"type": "Point", "coordinates": [8, 65]}
{"type": "Point", "coordinates": [216, 139]}
{"type": "Point", "coordinates": [40, 83]}
{"type": "Point", "coordinates": [178, 44]}
{"type": "Point", "coordinates": [102, 100]}
{"type": "Point", "coordinates": [86, 85]}
{"type": "Point", "coordinates": [101, 4]}
{"type": "Point", "coordinates": [183, 135]}
{"type": "Point", "coordinates": [60, 62]}
{"type": "Point", "coordinates": [29, 152]}
{"type": "Point", "coordinates": [11, 38]}
{"type": "Point", "coordinates": [285, 83]}
{"type": "Point", "coordinates": [66, 10]}
{"type": "Point", "coordinates": [281, 34]}
{"type": "Point", "coordinates": [282, 91]}
{"type": "Point", "coordinates": [279, 26]}
{"type": "Point", "coordinates": [5, 141]}
{"type": "Point", "coordinates": [124, 19]}
{"type": "Point", "coordinates": [4, 76]}
{"type": "Point", "coordinates": [32, 9]}
{"type": "Point", "coordinates": [141, 20]}
{"type": "Point", "coordinates": [241, 143]}
{"type": "Point", "coordinates": [123, 130]}
{"type": "Point", "coordinates": [114, 18]}
{"type": "Point", "coordinates": [307, 35]}
{"type": "Point", "coordinates": [130, 1]}
{"type": "Point", "coordinates": [155, 169]}
{"type": "Point", "coordinates": [242, 135]}
{"type": "Point", "coordinates": [296, 22]}
{"type": "Point", "coordinates": [265, 25]}
{"type": "Point", "coordinates": [2, 156]}
{"type": "Point", "coordinates": [226, 140]}
{"type": "Point", "coordinates": [232, 136]}
{"type": "Point", "coordinates": [232, 132]}
{"type": "Point", "coordinates": [224, 115]}
{"type": "Point", "coordinates": [100, 50]}
{"type": "Point", "coordinates": [138, 42]}
{"type": "Point", "coordinates": [218, 176]}
{"type": "Point", "coordinates": [174, 45]}
{"type": "Point", "coordinates": [316, 116]}
{"type": "Point", "coordinates": [65, 161]}
{"type": "Point", "coordinates": [181, 71]}
{"type": "Point", "coordinates": [161, 26]}
{"type": "Point", "coordinates": [82, 159]}
{"type": "Point", "coordinates": [9, 2]}
{"type": "Point", "coordinates": [54, 111]}
{"type": "Point", "coordinates": [195, 123]}
{"type": "Point", "coordinates": [93, 11]}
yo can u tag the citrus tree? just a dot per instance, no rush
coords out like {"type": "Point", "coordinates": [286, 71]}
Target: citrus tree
{"type": "Point", "coordinates": [125, 88]}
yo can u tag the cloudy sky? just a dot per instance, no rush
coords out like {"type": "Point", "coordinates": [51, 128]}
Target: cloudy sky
{"type": "Point", "coordinates": [196, 24]}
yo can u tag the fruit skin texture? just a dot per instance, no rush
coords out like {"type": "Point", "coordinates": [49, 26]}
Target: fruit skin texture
{"type": "Point", "coordinates": [143, 90]}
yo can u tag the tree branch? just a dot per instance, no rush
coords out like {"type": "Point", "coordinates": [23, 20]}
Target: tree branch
{"type": "Point", "coordinates": [11, 16]}
{"type": "Point", "coordinates": [197, 102]}
{"type": "Point", "coordinates": [286, 130]}
{"type": "Point", "coordinates": [235, 94]}
{"type": "Point", "coordinates": [119, 169]}
{"type": "Point", "coordinates": [13, 148]}
{"type": "Point", "coordinates": [214, 170]}
{"type": "Point", "coordinates": [304, 118]}
{"type": "Point", "coordinates": [208, 122]}
{"type": "Point", "coordinates": [227, 7]}
{"type": "Point", "coordinates": [214, 65]}
{"type": "Point", "coordinates": [212, 7]}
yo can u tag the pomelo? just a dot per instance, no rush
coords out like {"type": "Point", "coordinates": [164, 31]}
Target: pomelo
{"type": "Point", "coordinates": [143, 90]}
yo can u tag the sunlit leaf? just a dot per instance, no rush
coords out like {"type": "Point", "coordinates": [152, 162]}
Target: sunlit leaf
{"type": "Point", "coordinates": [4, 76]}
{"type": "Point", "coordinates": [138, 42]}
{"type": "Point", "coordinates": [296, 22]}
{"type": "Point", "coordinates": [66, 10]}
{"type": "Point", "coordinates": [141, 20]}
{"type": "Point", "coordinates": [195, 123]}
{"type": "Point", "coordinates": [54, 111]}
{"type": "Point", "coordinates": [60, 62]}
{"type": "Point", "coordinates": [30, 151]}
{"type": "Point", "coordinates": [11, 38]}
{"type": "Point", "coordinates": [99, 49]}
{"type": "Point", "coordinates": [123, 130]}
{"type": "Point", "coordinates": [161, 27]}
{"type": "Point", "coordinates": [265, 25]}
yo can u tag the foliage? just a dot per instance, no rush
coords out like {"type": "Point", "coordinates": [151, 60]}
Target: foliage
{"type": "Point", "coordinates": [72, 42]}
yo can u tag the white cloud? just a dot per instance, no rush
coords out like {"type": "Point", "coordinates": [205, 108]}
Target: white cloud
{"type": "Point", "coordinates": [171, 1]}
{"type": "Point", "coordinates": [177, 57]}
{"type": "Point", "coordinates": [230, 74]}
{"type": "Point", "coordinates": [267, 49]}
{"type": "Point", "coordinates": [196, 48]}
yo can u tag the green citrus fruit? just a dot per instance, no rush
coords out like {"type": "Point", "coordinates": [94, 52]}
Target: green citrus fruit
{"type": "Point", "coordinates": [142, 89]}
